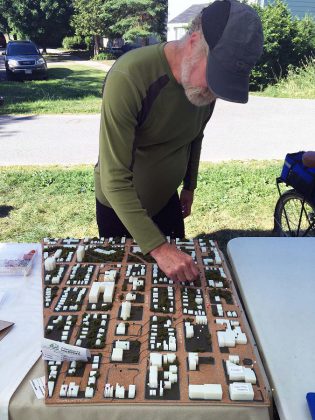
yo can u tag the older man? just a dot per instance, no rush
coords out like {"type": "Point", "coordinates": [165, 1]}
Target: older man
{"type": "Point", "coordinates": [157, 101]}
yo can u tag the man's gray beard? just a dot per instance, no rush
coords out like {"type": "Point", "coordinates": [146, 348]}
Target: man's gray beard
{"type": "Point", "coordinates": [198, 96]}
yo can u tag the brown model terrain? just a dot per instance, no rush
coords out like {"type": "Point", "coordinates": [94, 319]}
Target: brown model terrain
{"type": "Point", "coordinates": [134, 369]}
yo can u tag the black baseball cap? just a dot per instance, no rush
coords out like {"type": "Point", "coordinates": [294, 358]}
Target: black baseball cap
{"type": "Point", "coordinates": [233, 32]}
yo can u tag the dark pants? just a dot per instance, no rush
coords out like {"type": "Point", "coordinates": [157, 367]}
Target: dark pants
{"type": "Point", "coordinates": [169, 220]}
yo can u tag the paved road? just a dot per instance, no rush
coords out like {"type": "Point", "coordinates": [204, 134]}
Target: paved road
{"type": "Point", "coordinates": [56, 139]}
{"type": "Point", "coordinates": [265, 128]}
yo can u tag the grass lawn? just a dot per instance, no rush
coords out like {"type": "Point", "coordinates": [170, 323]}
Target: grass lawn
{"type": "Point", "coordinates": [76, 89]}
{"type": "Point", "coordinates": [300, 83]}
{"type": "Point", "coordinates": [70, 89]}
{"type": "Point", "coordinates": [232, 199]}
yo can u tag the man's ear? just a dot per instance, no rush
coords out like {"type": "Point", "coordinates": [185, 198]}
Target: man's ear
{"type": "Point", "coordinates": [194, 38]}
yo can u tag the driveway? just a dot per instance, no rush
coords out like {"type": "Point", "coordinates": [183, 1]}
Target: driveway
{"type": "Point", "coordinates": [265, 128]}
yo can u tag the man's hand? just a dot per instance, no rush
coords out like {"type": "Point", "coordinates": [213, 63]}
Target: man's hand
{"type": "Point", "coordinates": [174, 263]}
{"type": "Point", "coordinates": [186, 199]}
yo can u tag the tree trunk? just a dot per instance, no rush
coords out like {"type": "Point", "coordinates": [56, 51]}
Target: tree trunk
{"type": "Point", "coordinates": [144, 41]}
{"type": "Point", "coordinates": [96, 44]}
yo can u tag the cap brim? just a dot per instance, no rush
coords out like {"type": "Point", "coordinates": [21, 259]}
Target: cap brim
{"type": "Point", "coordinates": [225, 85]}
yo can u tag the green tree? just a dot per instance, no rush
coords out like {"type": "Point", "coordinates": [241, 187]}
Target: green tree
{"type": "Point", "coordinates": [287, 42]}
{"type": "Point", "coordinates": [45, 22]}
{"type": "Point", "coordinates": [3, 18]}
{"type": "Point", "coordinates": [131, 19]}
{"type": "Point", "coordinates": [89, 19]}
{"type": "Point", "coordinates": [127, 19]}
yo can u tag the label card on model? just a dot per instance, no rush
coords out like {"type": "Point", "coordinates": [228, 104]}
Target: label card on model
{"type": "Point", "coordinates": [59, 352]}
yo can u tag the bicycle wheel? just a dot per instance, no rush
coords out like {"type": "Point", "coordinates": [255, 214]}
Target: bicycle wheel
{"type": "Point", "coordinates": [292, 218]}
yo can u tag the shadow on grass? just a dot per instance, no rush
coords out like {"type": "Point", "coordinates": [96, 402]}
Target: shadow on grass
{"type": "Point", "coordinates": [62, 84]}
{"type": "Point", "coordinates": [5, 211]}
{"type": "Point", "coordinates": [59, 73]}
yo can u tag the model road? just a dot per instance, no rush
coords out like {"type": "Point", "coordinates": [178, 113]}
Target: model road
{"type": "Point", "coordinates": [265, 128]}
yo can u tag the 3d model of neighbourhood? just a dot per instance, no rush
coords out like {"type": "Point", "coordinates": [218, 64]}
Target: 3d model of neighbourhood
{"type": "Point", "coordinates": [150, 339]}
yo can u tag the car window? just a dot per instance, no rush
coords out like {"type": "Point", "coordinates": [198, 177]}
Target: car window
{"type": "Point", "coordinates": [22, 49]}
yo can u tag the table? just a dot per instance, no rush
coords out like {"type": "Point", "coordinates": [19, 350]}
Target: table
{"type": "Point", "coordinates": [22, 305]}
{"type": "Point", "coordinates": [24, 405]}
{"type": "Point", "coordinates": [276, 280]}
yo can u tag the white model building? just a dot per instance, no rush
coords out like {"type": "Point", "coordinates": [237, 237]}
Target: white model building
{"type": "Point", "coordinates": [169, 371]}
{"type": "Point", "coordinates": [136, 283]}
{"type": "Point", "coordinates": [110, 275]}
{"type": "Point", "coordinates": [205, 392]}
{"type": "Point", "coordinates": [131, 391]}
{"type": "Point", "coordinates": [240, 391]}
{"type": "Point", "coordinates": [119, 391]}
{"type": "Point", "coordinates": [108, 292]}
{"type": "Point", "coordinates": [51, 386]}
{"type": "Point", "coordinates": [169, 358]}
{"type": "Point", "coordinates": [153, 377]}
{"type": "Point", "coordinates": [125, 310]}
{"type": "Point", "coordinates": [121, 329]}
{"type": "Point", "coordinates": [172, 343]}
{"type": "Point", "coordinates": [107, 288]}
{"type": "Point", "coordinates": [80, 253]}
{"type": "Point", "coordinates": [125, 345]}
{"type": "Point", "coordinates": [193, 361]}
{"type": "Point", "coordinates": [231, 336]}
{"type": "Point", "coordinates": [50, 264]}
{"type": "Point", "coordinates": [201, 320]}
{"type": "Point", "coordinates": [234, 358]}
{"type": "Point", "coordinates": [240, 373]}
{"type": "Point", "coordinates": [156, 359]}
{"type": "Point", "coordinates": [73, 390]}
{"type": "Point", "coordinates": [117, 355]}
{"type": "Point", "coordinates": [104, 251]}
{"type": "Point", "coordinates": [63, 390]}
{"type": "Point", "coordinates": [89, 392]}
{"type": "Point", "coordinates": [108, 391]}
{"type": "Point", "coordinates": [189, 330]}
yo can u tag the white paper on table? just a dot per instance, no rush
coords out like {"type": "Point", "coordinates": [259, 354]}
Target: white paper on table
{"type": "Point", "coordinates": [59, 352]}
{"type": "Point", "coordinates": [38, 385]}
{"type": "Point", "coordinates": [22, 305]}
{"type": "Point", "coordinates": [2, 296]}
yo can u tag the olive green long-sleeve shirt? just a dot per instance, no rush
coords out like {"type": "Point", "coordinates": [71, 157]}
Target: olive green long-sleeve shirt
{"type": "Point", "coordinates": [150, 141]}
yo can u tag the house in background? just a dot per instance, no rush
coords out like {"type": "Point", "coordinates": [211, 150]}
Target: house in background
{"type": "Point", "coordinates": [298, 8]}
{"type": "Point", "coordinates": [181, 12]}
{"type": "Point", "coordinates": [176, 27]}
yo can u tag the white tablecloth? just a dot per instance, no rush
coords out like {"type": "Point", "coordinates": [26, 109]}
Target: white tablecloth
{"type": "Point", "coordinates": [22, 305]}
{"type": "Point", "coordinates": [276, 278]}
